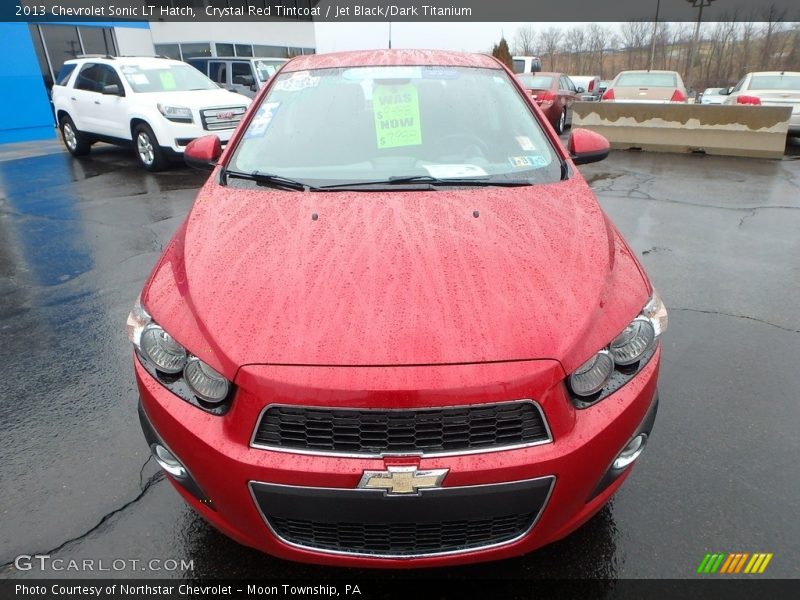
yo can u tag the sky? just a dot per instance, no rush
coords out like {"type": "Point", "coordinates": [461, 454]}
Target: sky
{"type": "Point", "coordinates": [469, 37]}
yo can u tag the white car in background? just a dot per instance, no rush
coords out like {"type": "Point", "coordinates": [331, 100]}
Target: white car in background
{"type": "Point", "coordinates": [590, 84]}
{"type": "Point", "coordinates": [158, 104]}
{"type": "Point", "coordinates": [712, 96]}
{"type": "Point", "coordinates": [769, 88]}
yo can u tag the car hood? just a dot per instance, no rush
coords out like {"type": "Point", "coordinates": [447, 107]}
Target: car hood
{"type": "Point", "coordinates": [395, 278]}
{"type": "Point", "coordinates": [197, 99]}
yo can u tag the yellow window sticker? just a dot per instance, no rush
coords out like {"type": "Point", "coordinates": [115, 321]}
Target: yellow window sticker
{"type": "Point", "coordinates": [167, 80]}
{"type": "Point", "coordinates": [396, 111]}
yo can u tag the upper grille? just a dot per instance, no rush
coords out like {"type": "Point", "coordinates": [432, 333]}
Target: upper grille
{"type": "Point", "coordinates": [216, 119]}
{"type": "Point", "coordinates": [403, 539]}
{"type": "Point", "coordinates": [426, 431]}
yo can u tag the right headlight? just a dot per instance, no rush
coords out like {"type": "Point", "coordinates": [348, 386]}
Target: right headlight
{"type": "Point", "coordinates": [613, 366]}
{"type": "Point", "coordinates": [174, 367]}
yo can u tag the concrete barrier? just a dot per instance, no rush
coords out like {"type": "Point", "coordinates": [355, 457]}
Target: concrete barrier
{"type": "Point", "coordinates": [758, 131]}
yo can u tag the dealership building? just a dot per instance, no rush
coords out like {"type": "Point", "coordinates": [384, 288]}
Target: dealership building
{"type": "Point", "coordinates": [39, 50]}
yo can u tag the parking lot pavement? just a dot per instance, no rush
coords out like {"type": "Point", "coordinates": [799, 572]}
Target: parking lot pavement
{"type": "Point", "coordinates": [719, 238]}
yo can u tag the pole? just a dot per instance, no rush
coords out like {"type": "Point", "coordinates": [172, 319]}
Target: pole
{"type": "Point", "coordinates": [390, 35]}
{"type": "Point", "coordinates": [653, 41]}
{"type": "Point", "coordinates": [692, 48]}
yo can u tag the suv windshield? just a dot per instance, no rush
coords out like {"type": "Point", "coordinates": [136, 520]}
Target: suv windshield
{"type": "Point", "coordinates": [372, 124]}
{"type": "Point", "coordinates": [165, 78]}
{"type": "Point", "coordinates": [266, 68]}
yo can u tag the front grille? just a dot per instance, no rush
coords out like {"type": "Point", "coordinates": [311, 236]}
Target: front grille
{"type": "Point", "coordinates": [217, 119]}
{"type": "Point", "coordinates": [402, 539]}
{"type": "Point", "coordinates": [427, 431]}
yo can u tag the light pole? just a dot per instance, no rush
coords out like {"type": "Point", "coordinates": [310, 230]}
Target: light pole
{"type": "Point", "coordinates": [696, 4]}
{"type": "Point", "coordinates": [653, 41]}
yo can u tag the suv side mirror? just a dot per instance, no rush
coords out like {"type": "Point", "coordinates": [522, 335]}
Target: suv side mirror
{"type": "Point", "coordinates": [244, 80]}
{"type": "Point", "coordinates": [111, 90]}
{"type": "Point", "coordinates": [203, 153]}
{"type": "Point", "coordinates": [587, 146]}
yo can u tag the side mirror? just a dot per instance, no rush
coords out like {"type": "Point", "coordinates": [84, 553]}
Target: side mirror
{"type": "Point", "coordinates": [587, 146]}
{"type": "Point", "coordinates": [726, 91]}
{"type": "Point", "coordinates": [111, 90]}
{"type": "Point", "coordinates": [580, 90]}
{"type": "Point", "coordinates": [244, 80]}
{"type": "Point", "coordinates": [203, 153]}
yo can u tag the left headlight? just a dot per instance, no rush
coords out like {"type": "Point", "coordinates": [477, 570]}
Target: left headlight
{"type": "Point", "coordinates": [613, 366]}
{"type": "Point", "coordinates": [179, 114]}
{"type": "Point", "coordinates": [174, 367]}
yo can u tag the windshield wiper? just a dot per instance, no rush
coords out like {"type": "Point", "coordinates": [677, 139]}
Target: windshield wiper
{"type": "Point", "coordinates": [269, 180]}
{"type": "Point", "coordinates": [432, 181]}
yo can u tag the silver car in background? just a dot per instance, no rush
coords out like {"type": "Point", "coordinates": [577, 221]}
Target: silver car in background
{"type": "Point", "coordinates": [653, 87]}
{"type": "Point", "coordinates": [712, 96]}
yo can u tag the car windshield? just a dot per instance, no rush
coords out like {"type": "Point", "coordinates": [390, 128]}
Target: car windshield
{"type": "Point", "coordinates": [372, 124]}
{"type": "Point", "coordinates": [775, 82]}
{"type": "Point", "coordinates": [166, 78]}
{"type": "Point", "coordinates": [536, 82]}
{"type": "Point", "coordinates": [267, 68]}
{"type": "Point", "coordinates": [647, 80]}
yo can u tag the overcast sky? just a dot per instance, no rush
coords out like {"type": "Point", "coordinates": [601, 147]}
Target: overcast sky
{"type": "Point", "coordinates": [470, 37]}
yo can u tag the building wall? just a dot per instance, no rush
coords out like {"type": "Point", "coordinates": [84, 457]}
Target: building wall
{"type": "Point", "coordinates": [24, 106]}
{"type": "Point", "coordinates": [284, 33]}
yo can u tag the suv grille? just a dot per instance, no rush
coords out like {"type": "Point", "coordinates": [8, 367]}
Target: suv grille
{"type": "Point", "coordinates": [427, 431]}
{"type": "Point", "coordinates": [402, 539]}
{"type": "Point", "coordinates": [216, 119]}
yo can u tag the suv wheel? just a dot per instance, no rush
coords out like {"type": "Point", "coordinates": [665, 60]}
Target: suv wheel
{"type": "Point", "coordinates": [74, 140]}
{"type": "Point", "coordinates": [149, 153]}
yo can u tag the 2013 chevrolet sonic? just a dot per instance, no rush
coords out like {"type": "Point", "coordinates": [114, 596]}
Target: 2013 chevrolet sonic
{"type": "Point", "coordinates": [396, 328]}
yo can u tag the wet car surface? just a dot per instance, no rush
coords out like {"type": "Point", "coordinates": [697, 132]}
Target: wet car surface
{"type": "Point", "coordinates": [718, 237]}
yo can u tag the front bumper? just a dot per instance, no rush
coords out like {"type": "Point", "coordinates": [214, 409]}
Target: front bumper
{"type": "Point", "coordinates": [174, 137]}
{"type": "Point", "coordinates": [567, 481]}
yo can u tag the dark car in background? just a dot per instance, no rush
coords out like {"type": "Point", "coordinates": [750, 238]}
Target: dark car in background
{"type": "Point", "coordinates": [555, 93]}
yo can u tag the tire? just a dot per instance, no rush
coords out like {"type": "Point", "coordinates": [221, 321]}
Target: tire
{"type": "Point", "coordinates": [149, 153]}
{"type": "Point", "coordinates": [75, 141]}
{"type": "Point", "coordinates": [561, 124]}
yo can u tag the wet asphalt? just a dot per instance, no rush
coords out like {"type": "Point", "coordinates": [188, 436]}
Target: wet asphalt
{"type": "Point", "coordinates": [720, 238]}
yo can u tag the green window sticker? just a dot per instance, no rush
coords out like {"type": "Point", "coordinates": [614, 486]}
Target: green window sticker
{"type": "Point", "coordinates": [167, 80]}
{"type": "Point", "coordinates": [396, 111]}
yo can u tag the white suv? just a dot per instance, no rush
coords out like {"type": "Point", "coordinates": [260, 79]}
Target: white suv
{"type": "Point", "coordinates": [158, 104]}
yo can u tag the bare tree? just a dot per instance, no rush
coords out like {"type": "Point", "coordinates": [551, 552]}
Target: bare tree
{"type": "Point", "coordinates": [772, 18]}
{"type": "Point", "coordinates": [634, 36]}
{"type": "Point", "coordinates": [550, 40]}
{"type": "Point", "coordinates": [525, 41]}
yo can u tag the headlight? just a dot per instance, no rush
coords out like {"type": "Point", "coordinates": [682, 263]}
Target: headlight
{"type": "Point", "coordinates": [174, 367]}
{"type": "Point", "coordinates": [592, 375]}
{"type": "Point", "coordinates": [179, 114]}
{"type": "Point", "coordinates": [205, 381]}
{"type": "Point", "coordinates": [613, 366]}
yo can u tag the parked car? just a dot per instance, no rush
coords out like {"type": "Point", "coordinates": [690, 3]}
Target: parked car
{"type": "Point", "coordinates": [712, 96]}
{"type": "Point", "coordinates": [769, 88]}
{"type": "Point", "coordinates": [603, 86]}
{"type": "Point", "coordinates": [590, 84]}
{"type": "Point", "coordinates": [655, 87]}
{"type": "Point", "coordinates": [238, 74]}
{"type": "Point", "coordinates": [555, 93]}
{"type": "Point", "coordinates": [396, 328]}
{"type": "Point", "coordinates": [526, 64]}
{"type": "Point", "coordinates": [158, 104]}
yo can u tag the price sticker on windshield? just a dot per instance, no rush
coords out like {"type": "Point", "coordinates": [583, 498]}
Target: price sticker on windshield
{"type": "Point", "coordinates": [396, 111]}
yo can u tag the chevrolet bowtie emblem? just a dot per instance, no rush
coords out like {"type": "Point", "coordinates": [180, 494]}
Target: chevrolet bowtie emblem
{"type": "Point", "coordinates": [402, 480]}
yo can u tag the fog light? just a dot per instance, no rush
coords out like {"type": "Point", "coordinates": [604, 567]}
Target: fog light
{"type": "Point", "coordinates": [630, 452]}
{"type": "Point", "coordinates": [168, 461]}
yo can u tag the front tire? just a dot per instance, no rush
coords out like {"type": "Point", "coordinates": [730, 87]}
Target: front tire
{"type": "Point", "coordinates": [149, 153]}
{"type": "Point", "coordinates": [561, 124]}
{"type": "Point", "coordinates": [74, 140]}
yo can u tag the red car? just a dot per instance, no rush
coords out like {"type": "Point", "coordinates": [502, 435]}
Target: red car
{"type": "Point", "coordinates": [396, 329]}
{"type": "Point", "coordinates": [555, 93]}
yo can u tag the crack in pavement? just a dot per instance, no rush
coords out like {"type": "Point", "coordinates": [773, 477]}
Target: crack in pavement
{"type": "Point", "coordinates": [724, 314]}
{"type": "Point", "coordinates": [143, 489]}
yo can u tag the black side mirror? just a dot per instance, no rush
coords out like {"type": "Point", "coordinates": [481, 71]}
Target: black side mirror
{"type": "Point", "coordinates": [726, 91]}
{"type": "Point", "coordinates": [244, 80]}
{"type": "Point", "coordinates": [111, 90]}
{"type": "Point", "coordinates": [580, 90]}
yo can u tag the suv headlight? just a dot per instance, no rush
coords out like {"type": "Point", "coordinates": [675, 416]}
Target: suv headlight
{"type": "Point", "coordinates": [174, 367]}
{"type": "Point", "coordinates": [613, 366]}
{"type": "Point", "coordinates": [179, 114]}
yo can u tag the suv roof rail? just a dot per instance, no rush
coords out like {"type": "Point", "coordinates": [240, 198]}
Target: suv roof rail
{"type": "Point", "coordinates": [95, 56]}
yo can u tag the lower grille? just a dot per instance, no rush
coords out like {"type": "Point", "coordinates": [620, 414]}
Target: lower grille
{"type": "Point", "coordinates": [217, 119]}
{"type": "Point", "coordinates": [428, 431]}
{"type": "Point", "coordinates": [403, 539]}
{"type": "Point", "coordinates": [367, 522]}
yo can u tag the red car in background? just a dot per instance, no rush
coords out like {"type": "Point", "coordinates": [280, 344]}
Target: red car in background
{"type": "Point", "coordinates": [396, 329]}
{"type": "Point", "coordinates": [555, 93]}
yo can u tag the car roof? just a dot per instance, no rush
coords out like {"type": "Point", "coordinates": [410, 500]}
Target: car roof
{"type": "Point", "coordinates": [398, 58]}
{"type": "Point", "coordinates": [775, 73]}
{"type": "Point", "coordinates": [646, 71]}
{"type": "Point", "coordinates": [152, 61]}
